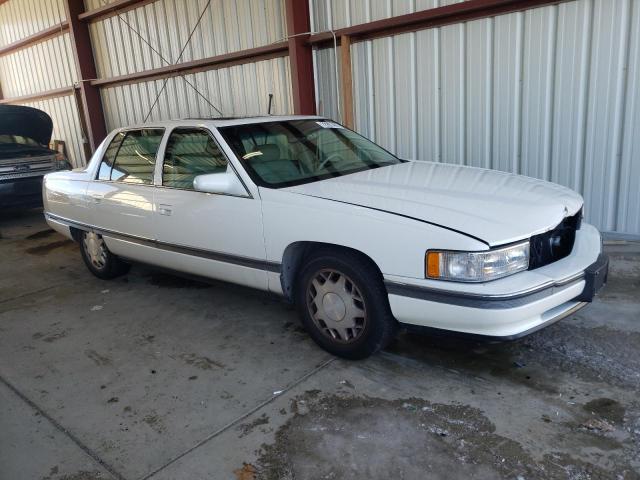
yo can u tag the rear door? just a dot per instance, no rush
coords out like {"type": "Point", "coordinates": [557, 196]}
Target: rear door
{"type": "Point", "coordinates": [218, 236]}
{"type": "Point", "coordinates": [122, 195]}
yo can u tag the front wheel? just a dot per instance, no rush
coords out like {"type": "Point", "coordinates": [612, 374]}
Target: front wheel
{"type": "Point", "coordinates": [98, 259]}
{"type": "Point", "coordinates": [343, 304]}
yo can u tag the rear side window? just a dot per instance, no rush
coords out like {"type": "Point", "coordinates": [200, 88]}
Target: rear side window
{"type": "Point", "coordinates": [131, 157]}
{"type": "Point", "coordinates": [189, 153]}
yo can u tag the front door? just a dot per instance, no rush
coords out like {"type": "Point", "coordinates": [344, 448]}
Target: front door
{"type": "Point", "coordinates": [217, 236]}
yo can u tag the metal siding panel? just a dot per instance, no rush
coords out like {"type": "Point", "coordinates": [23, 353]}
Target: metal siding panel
{"type": "Point", "coordinates": [93, 4]}
{"type": "Point", "coordinates": [571, 90]}
{"type": "Point", "coordinates": [238, 90]}
{"type": "Point", "coordinates": [43, 66]}
{"type": "Point", "coordinates": [22, 18]}
{"type": "Point", "coordinates": [153, 35]}
{"type": "Point", "coordinates": [403, 75]}
{"type": "Point", "coordinates": [327, 101]}
{"type": "Point", "coordinates": [359, 12]}
{"type": "Point", "coordinates": [452, 94]}
{"type": "Point", "coordinates": [537, 91]}
{"type": "Point", "coordinates": [628, 215]}
{"type": "Point", "coordinates": [361, 104]}
{"type": "Point", "coordinates": [383, 108]}
{"type": "Point", "coordinates": [334, 14]}
{"type": "Point", "coordinates": [504, 91]}
{"type": "Point", "coordinates": [479, 58]}
{"type": "Point", "coordinates": [428, 93]}
{"type": "Point", "coordinates": [601, 153]}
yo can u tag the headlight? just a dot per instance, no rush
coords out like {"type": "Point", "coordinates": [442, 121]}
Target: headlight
{"type": "Point", "coordinates": [477, 266]}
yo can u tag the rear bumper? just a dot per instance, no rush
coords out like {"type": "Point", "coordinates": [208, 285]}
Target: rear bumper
{"type": "Point", "coordinates": [500, 314]}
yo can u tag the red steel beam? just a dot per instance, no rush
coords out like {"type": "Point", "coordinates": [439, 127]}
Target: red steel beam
{"type": "Point", "coordinates": [111, 9]}
{"type": "Point", "coordinates": [40, 36]}
{"type": "Point", "coordinates": [300, 57]}
{"type": "Point", "coordinates": [57, 92]}
{"type": "Point", "coordinates": [434, 17]}
{"type": "Point", "coordinates": [91, 102]}
{"type": "Point", "coordinates": [209, 63]}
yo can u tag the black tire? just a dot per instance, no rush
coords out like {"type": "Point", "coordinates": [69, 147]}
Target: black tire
{"type": "Point", "coordinates": [109, 267]}
{"type": "Point", "coordinates": [379, 326]}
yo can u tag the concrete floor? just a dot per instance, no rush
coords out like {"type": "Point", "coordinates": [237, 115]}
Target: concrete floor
{"type": "Point", "coordinates": [153, 376]}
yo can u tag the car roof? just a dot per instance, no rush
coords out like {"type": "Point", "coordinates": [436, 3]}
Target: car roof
{"type": "Point", "coordinates": [220, 121]}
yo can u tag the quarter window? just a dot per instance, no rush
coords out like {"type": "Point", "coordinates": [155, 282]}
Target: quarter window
{"type": "Point", "coordinates": [131, 157]}
{"type": "Point", "coordinates": [189, 153]}
{"type": "Point", "coordinates": [104, 173]}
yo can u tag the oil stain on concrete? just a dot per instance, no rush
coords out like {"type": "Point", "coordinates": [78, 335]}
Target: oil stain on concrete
{"type": "Point", "coordinates": [365, 437]}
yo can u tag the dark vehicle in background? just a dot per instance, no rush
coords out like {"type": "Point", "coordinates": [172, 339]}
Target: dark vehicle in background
{"type": "Point", "coordinates": [25, 156]}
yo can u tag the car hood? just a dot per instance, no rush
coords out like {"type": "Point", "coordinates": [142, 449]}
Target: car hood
{"type": "Point", "coordinates": [26, 122]}
{"type": "Point", "coordinates": [495, 207]}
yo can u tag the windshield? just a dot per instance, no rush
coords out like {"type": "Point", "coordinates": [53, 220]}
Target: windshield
{"type": "Point", "coordinates": [282, 154]}
{"type": "Point", "coordinates": [18, 140]}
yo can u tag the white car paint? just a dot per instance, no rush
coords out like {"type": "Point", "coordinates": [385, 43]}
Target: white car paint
{"type": "Point", "coordinates": [392, 214]}
{"type": "Point", "coordinates": [496, 206]}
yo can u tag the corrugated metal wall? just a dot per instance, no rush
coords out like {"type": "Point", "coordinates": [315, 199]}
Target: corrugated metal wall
{"type": "Point", "coordinates": [334, 14]}
{"type": "Point", "coordinates": [19, 19]}
{"type": "Point", "coordinates": [165, 25]}
{"type": "Point", "coordinates": [551, 92]}
{"type": "Point", "coordinates": [142, 39]}
{"type": "Point", "coordinates": [44, 66]}
{"type": "Point", "coordinates": [238, 90]}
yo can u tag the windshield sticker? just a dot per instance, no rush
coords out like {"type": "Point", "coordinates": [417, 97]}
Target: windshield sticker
{"type": "Point", "coordinates": [329, 125]}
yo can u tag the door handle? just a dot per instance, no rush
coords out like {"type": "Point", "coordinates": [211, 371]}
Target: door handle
{"type": "Point", "coordinates": [164, 210]}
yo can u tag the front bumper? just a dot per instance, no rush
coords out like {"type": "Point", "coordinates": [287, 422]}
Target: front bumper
{"type": "Point", "coordinates": [511, 307]}
{"type": "Point", "coordinates": [21, 192]}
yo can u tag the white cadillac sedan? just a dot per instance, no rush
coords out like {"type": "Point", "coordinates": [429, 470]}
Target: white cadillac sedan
{"type": "Point", "coordinates": [360, 240]}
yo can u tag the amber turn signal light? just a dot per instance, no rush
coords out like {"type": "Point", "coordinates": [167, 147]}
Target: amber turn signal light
{"type": "Point", "coordinates": [433, 264]}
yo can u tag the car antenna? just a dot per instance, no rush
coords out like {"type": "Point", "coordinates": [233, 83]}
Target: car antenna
{"type": "Point", "coordinates": [270, 104]}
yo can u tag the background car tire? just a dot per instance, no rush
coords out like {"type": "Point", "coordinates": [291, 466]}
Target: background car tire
{"type": "Point", "coordinates": [379, 327]}
{"type": "Point", "coordinates": [98, 259]}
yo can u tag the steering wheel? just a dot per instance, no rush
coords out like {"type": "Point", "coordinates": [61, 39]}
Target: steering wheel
{"type": "Point", "coordinates": [329, 159]}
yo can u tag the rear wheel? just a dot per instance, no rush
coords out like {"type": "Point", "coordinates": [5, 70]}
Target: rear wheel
{"type": "Point", "coordinates": [98, 259]}
{"type": "Point", "coordinates": [343, 304]}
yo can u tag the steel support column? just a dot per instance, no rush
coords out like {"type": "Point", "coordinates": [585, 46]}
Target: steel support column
{"type": "Point", "coordinates": [300, 57]}
{"type": "Point", "coordinates": [83, 52]}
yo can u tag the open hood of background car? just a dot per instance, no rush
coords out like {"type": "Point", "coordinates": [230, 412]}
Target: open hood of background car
{"type": "Point", "coordinates": [26, 122]}
{"type": "Point", "coordinates": [493, 206]}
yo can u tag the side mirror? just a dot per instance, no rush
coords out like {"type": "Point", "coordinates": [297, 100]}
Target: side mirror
{"type": "Point", "coordinates": [226, 183]}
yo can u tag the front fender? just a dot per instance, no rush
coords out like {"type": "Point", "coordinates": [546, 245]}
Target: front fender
{"type": "Point", "coordinates": [395, 243]}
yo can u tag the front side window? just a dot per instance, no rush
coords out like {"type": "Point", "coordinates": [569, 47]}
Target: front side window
{"type": "Point", "coordinates": [131, 157]}
{"type": "Point", "coordinates": [281, 154]}
{"type": "Point", "coordinates": [189, 153]}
